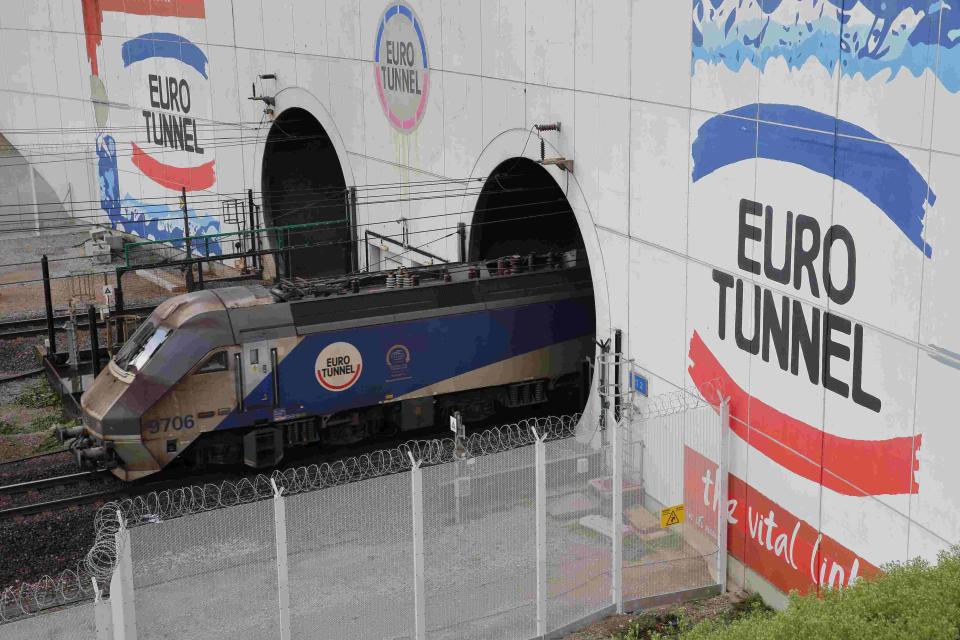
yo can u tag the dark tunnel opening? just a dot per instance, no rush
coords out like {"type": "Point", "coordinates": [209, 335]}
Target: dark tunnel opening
{"type": "Point", "coordinates": [303, 183]}
{"type": "Point", "coordinates": [520, 210]}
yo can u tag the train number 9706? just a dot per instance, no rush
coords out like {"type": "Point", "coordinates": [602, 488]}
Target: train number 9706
{"type": "Point", "coordinates": [176, 423]}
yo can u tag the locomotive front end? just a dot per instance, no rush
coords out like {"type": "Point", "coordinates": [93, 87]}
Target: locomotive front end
{"type": "Point", "coordinates": [167, 345]}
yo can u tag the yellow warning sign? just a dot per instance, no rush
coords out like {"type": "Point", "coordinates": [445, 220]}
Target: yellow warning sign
{"type": "Point", "coordinates": [671, 516]}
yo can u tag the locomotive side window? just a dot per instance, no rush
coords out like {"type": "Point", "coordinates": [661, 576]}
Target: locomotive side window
{"type": "Point", "coordinates": [216, 362]}
{"type": "Point", "coordinates": [141, 345]}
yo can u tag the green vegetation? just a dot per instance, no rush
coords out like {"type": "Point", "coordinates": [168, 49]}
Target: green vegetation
{"type": "Point", "coordinates": [673, 624]}
{"type": "Point", "coordinates": [38, 395]}
{"type": "Point", "coordinates": [45, 422]}
{"type": "Point", "coordinates": [910, 601]}
{"type": "Point", "coordinates": [50, 443]}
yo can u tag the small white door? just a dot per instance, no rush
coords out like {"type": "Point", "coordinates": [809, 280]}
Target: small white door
{"type": "Point", "coordinates": [256, 367]}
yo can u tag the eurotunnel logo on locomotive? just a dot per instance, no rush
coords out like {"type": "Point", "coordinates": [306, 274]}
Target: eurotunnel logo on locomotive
{"type": "Point", "coordinates": [338, 366]}
{"type": "Point", "coordinates": [401, 66]}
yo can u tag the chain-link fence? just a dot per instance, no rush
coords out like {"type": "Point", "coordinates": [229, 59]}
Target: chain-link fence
{"type": "Point", "coordinates": [521, 532]}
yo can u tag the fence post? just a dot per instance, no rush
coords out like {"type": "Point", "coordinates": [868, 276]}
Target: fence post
{"type": "Point", "coordinates": [283, 582]}
{"type": "Point", "coordinates": [48, 304]}
{"type": "Point", "coordinates": [121, 587]}
{"type": "Point", "coordinates": [540, 464]}
{"type": "Point", "coordinates": [118, 307]}
{"type": "Point", "coordinates": [416, 500]}
{"type": "Point", "coordinates": [186, 239]}
{"type": "Point", "coordinates": [94, 340]}
{"type": "Point", "coordinates": [616, 519]}
{"type": "Point", "coordinates": [461, 242]}
{"type": "Point", "coordinates": [723, 467]}
{"type": "Point", "coordinates": [102, 618]}
{"type": "Point", "coordinates": [254, 258]}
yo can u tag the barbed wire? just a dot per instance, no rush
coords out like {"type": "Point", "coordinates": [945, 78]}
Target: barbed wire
{"type": "Point", "coordinates": [26, 599]}
{"type": "Point", "coordinates": [709, 393]}
{"type": "Point", "coordinates": [77, 584]}
{"type": "Point", "coordinates": [183, 501]}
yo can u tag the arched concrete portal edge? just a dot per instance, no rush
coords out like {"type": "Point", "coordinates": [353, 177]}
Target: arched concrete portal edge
{"type": "Point", "coordinates": [506, 146]}
{"type": "Point", "coordinates": [299, 98]}
{"type": "Point", "coordinates": [515, 143]}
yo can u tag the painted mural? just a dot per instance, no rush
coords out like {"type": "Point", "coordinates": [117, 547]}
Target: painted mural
{"type": "Point", "coordinates": [163, 149]}
{"type": "Point", "coordinates": [868, 37]}
{"type": "Point", "coordinates": [767, 190]}
{"type": "Point", "coordinates": [822, 243]}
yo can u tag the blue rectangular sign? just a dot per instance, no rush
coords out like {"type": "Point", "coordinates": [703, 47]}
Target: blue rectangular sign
{"type": "Point", "coordinates": [640, 384]}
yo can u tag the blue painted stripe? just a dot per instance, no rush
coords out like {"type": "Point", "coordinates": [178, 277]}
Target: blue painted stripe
{"type": "Point", "coordinates": [404, 11]}
{"type": "Point", "coordinates": [423, 44]}
{"type": "Point", "coordinates": [855, 157]}
{"type": "Point", "coordinates": [376, 47]}
{"type": "Point", "coordinates": [164, 45]}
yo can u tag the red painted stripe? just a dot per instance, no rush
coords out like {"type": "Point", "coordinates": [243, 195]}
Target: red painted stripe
{"type": "Point", "coordinates": [191, 178]}
{"type": "Point", "coordinates": [172, 8]}
{"type": "Point", "coordinates": [848, 466]}
{"type": "Point", "coordinates": [93, 17]}
{"type": "Point", "coordinates": [341, 387]}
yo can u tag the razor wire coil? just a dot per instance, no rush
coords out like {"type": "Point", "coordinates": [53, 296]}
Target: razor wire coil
{"type": "Point", "coordinates": [77, 584]}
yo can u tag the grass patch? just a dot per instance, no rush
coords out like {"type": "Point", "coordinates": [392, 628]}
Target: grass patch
{"type": "Point", "coordinates": [45, 422]}
{"type": "Point", "coordinates": [676, 623]}
{"type": "Point", "coordinates": [39, 395]}
{"type": "Point", "coordinates": [909, 601]}
{"type": "Point", "coordinates": [649, 625]}
{"type": "Point", "coordinates": [585, 532]}
{"type": "Point", "coordinates": [50, 443]}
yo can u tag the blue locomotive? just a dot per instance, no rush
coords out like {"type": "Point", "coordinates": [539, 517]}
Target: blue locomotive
{"type": "Point", "coordinates": [247, 373]}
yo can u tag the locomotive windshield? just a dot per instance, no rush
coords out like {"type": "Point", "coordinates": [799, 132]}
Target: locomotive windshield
{"type": "Point", "coordinates": [141, 346]}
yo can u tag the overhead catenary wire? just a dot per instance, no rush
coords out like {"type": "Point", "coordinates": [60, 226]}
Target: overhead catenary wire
{"type": "Point", "coordinates": [282, 213]}
{"type": "Point", "coordinates": [242, 194]}
{"type": "Point", "coordinates": [333, 243]}
{"type": "Point", "coordinates": [193, 202]}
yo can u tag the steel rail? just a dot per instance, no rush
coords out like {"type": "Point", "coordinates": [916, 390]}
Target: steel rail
{"type": "Point", "coordinates": [60, 503]}
{"type": "Point", "coordinates": [22, 375]}
{"type": "Point", "coordinates": [33, 456]}
{"type": "Point", "coordinates": [30, 485]}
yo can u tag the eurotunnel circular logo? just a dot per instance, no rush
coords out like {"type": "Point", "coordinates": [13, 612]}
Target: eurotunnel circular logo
{"type": "Point", "coordinates": [398, 363]}
{"type": "Point", "coordinates": [398, 355]}
{"type": "Point", "coordinates": [339, 366]}
{"type": "Point", "coordinates": [402, 69]}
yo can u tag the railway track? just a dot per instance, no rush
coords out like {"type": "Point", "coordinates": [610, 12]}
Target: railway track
{"type": "Point", "coordinates": [38, 326]}
{"type": "Point", "coordinates": [34, 456]}
{"type": "Point", "coordinates": [72, 484]}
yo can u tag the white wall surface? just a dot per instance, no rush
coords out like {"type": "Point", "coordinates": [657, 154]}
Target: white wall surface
{"type": "Point", "coordinates": [821, 127]}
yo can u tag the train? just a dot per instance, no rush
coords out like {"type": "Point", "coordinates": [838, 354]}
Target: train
{"type": "Point", "coordinates": [247, 374]}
